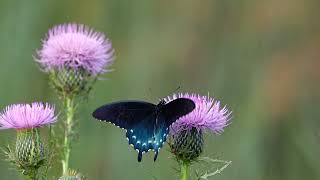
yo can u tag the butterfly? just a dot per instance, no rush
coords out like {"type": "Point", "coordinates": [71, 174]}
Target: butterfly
{"type": "Point", "coordinates": [146, 124]}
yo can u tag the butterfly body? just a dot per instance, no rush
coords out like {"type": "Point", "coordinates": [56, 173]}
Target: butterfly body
{"type": "Point", "coordinates": [147, 125]}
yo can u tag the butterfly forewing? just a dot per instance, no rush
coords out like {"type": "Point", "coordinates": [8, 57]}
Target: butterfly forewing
{"type": "Point", "coordinates": [137, 117]}
{"type": "Point", "coordinates": [176, 109]}
{"type": "Point", "coordinates": [124, 114]}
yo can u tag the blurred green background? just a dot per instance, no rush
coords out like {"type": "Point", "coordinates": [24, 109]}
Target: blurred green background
{"type": "Point", "coordinates": [261, 58]}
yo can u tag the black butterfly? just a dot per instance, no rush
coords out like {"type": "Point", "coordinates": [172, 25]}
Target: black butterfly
{"type": "Point", "coordinates": [146, 124]}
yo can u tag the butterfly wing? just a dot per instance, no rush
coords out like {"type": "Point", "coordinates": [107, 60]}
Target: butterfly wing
{"type": "Point", "coordinates": [138, 118]}
{"type": "Point", "coordinates": [176, 109]}
{"type": "Point", "coordinates": [160, 135]}
{"type": "Point", "coordinates": [141, 135]}
{"type": "Point", "coordinates": [124, 114]}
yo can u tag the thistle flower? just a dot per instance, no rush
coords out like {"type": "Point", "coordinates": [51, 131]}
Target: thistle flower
{"type": "Point", "coordinates": [208, 114]}
{"type": "Point", "coordinates": [27, 116]}
{"type": "Point", "coordinates": [76, 46]}
{"type": "Point", "coordinates": [187, 132]}
{"type": "Point", "coordinates": [72, 53]}
{"type": "Point", "coordinates": [29, 154]}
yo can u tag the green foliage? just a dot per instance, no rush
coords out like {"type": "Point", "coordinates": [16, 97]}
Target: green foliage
{"type": "Point", "coordinates": [211, 167]}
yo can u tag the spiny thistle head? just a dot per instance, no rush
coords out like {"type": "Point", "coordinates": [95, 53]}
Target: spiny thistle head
{"type": "Point", "coordinates": [29, 150]}
{"type": "Point", "coordinates": [72, 175]}
{"type": "Point", "coordinates": [187, 145]}
{"type": "Point", "coordinates": [74, 55]}
{"type": "Point", "coordinates": [69, 81]}
{"type": "Point", "coordinates": [187, 132]}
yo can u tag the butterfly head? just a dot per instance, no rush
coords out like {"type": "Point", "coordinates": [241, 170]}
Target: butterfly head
{"type": "Point", "coordinates": [161, 103]}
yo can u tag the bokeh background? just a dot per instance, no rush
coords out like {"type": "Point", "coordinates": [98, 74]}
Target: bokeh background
{"type": "Point", "coordinates": [260, 58]}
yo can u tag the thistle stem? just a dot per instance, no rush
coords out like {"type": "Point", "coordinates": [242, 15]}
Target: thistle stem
{"type": "Point", "coordinates": [184, 170]}
{"type": "Point", "coordinates": [50, 140]}
{"type": "Point", "coordinates": [33, 174]}
{"type": "Point", "coordinates": [70, 109]}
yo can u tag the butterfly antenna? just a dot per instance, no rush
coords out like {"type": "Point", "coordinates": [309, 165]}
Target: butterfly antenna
{"type": "Point", "coordinates": [173, 91]}
{"type": "Point", "coordinates": [149, 94]}
{"type": "Point", "coordinates": [176, 89]}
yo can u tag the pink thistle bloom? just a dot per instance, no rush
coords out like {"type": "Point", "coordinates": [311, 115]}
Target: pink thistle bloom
{"type": "Point", "coordinates": [76, 46]}
{"type": "Point", "coordinates": [27, 116]}
{"type": "Point", "coordinates": [208, 114]}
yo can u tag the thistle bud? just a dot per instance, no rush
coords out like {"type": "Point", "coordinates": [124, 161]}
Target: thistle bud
{"type": "Point", "coordinates": [29, 147]}
{"type": "Point", "coordinates": [70, 81]}
{"type": "Point", "coordinates": [187, 145]}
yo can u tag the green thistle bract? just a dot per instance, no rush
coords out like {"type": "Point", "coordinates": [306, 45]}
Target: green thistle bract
{"type": "Point", "coordinates": [187, 145]}
{"type": "Point", "coordinates": [69, 81]}
{"type": "Point", "coordinates": [29, 148]}
{"type": "Point", "coordinates": [29, 154]}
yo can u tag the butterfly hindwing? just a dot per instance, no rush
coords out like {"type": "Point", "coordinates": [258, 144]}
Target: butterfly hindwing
{"type": "Point", "coordinates": [140, 136]}
{"type": "Point", "coordinates": [160, 135]}
{"type": "Point", "coordinates": [147, 135]}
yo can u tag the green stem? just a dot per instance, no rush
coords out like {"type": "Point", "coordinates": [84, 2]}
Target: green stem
{"type": "Point", "coordinates": [184, 170]}
{"type": "Point", "coordinates": [70, 109]}
{"type": "Point", "coordinates": [50, 147]}
{"type": "Point", "coordinates": [32, 174]}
